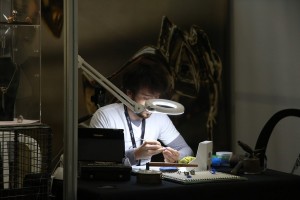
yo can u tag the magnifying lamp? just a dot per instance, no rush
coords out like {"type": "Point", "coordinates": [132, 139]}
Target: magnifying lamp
{"type": "Point", "coordinates": [152, 105]}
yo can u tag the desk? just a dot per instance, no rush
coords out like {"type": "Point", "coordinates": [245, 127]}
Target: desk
{"type": "Point", "coordinates": [269, 185]}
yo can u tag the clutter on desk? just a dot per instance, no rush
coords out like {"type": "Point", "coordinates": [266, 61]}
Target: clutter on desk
{"type": "Point", "coordinates": [251, 161]}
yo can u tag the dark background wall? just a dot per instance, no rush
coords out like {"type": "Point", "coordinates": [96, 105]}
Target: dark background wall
{"type": "Point", "coordinates": [265, 76]}
{"type": "Point", "coordinates": [110, 32]}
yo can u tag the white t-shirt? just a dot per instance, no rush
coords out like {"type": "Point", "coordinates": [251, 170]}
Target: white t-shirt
{"type": "Point", "coordinates": [157, 126]}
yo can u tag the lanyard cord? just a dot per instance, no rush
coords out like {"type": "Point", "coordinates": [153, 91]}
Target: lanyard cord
{"type": "Point", "coordinates": [131, 130]}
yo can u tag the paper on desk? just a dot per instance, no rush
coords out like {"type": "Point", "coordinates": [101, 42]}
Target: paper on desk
{"type": "Point", "coordinates": [137, 168]}
{"type": "Point", "coordinates": [16, 123]}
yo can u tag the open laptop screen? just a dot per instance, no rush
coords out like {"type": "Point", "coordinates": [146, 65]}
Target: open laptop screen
{"type": "Point", "coordinates": [101, 145]}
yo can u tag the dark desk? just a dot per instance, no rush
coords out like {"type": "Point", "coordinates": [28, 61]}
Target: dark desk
{"type": "Point", "coordinates": [270, 185]}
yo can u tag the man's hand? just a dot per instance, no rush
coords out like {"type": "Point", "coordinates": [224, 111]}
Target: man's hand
{"type": "Point", "coordinates": [148, 149]}
{"type": "Point", "coordinates": [170, 155]}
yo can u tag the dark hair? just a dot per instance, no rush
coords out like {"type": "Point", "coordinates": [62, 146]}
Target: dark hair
{"type": "Point", "coordinates": [147, 71]}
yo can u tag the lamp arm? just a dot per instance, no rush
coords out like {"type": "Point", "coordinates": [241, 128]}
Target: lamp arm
{"type": "Point", "coordinates": [121, 96]}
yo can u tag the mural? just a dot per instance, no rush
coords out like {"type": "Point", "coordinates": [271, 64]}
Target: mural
{"type": "Point", "coordinates": [194, 65]}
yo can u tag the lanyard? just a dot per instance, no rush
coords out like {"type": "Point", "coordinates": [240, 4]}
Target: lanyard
{"type": "Point", "coordinates": [131, 130]}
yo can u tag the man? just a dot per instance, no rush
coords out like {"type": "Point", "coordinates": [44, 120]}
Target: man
{"type": "Point", "coordinates": [145, 78]}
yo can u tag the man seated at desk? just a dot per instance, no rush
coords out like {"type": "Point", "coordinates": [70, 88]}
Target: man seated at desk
{"type": "Point", "coordinates": [145, 78]}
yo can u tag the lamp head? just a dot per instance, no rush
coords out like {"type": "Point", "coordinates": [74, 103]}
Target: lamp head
{"type": "Point", "coordinates": [164, 106]}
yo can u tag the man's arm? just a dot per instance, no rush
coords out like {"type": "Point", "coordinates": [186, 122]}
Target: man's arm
{"type": "Point", "coordinates": [180, 145]}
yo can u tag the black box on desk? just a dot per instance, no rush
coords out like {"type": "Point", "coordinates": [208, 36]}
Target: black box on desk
{"type": "Point", "coordinates": [101, 154]}
{"type": "Point", "coordinates": [114, 172]}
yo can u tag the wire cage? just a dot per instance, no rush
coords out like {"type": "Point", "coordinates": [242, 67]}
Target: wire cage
{"type": "Point", "coordinates": [25, 162]}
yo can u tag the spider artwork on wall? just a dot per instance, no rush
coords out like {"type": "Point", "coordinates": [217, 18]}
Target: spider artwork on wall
{"type": "Point", "coordinates": [195, 73]}
{"type": "Point", "coordinates": [194, 65]}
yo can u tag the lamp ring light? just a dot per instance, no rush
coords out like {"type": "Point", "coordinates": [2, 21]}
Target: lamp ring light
{"type": "Point", "coordinates": [164, 106]}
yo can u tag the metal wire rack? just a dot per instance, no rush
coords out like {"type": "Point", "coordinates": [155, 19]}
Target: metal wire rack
{"type": "Point", "coordinates": [25, 160]}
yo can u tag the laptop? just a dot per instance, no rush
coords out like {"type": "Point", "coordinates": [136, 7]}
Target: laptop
{"type": "Point", "coordinates": [101, 145]}
{"type": "Point", "coordinates": [101, 154]}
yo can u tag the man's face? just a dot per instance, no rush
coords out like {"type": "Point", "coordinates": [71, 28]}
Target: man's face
{"type": "Point", "coordinates": [141, 96]}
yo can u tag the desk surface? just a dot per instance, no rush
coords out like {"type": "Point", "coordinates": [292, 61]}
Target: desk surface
{"type": "Point", "coordinates": [271, 185]}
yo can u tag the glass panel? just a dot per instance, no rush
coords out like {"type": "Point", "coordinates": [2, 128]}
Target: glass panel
{"type": "Point", "coordinates": [20, 60]}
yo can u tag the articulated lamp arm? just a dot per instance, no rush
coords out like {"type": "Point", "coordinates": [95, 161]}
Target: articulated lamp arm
{"type": "Point", "coordinates": [121, 96]}
{"type": "Point", "coordinates": [152, 105]}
